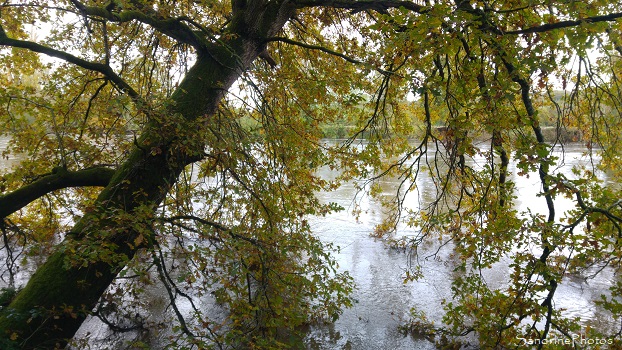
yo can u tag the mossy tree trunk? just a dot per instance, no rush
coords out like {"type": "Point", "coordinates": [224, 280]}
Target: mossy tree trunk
{"type": "Point", "coordinates": [62, 292]}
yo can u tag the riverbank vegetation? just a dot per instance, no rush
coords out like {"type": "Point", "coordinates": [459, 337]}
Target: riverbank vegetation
{"type": "Point", "coordinates": [552, 131]}
{"type": "Point", "coordinates": [176, 145]}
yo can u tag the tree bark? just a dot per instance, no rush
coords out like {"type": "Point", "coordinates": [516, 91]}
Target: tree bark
{"type": "Point", "coordinates": [62, 292]}
{"type": "Point", "coordinates": [59, 178]}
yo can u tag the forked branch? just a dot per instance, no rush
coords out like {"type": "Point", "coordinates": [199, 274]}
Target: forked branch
{"type": "Point", "coordinates": [92, 66]}
{"type": "Point", "coordinates": [172, 27]}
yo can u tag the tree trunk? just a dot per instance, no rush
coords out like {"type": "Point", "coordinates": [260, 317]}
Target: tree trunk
{"type": "Point", "coordinates": [62, 292]}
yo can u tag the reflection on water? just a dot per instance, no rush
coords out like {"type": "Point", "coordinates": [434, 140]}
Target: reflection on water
{"type": "Point", "coordinates": [382, 300]}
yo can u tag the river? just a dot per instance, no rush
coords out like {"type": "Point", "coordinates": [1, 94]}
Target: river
{"type": "Point", "coordinates": [383, 301]}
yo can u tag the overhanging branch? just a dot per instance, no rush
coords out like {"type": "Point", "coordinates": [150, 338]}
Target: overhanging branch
{"type": "Point", "coordinates": [172, 27]}
{"type": "Point", "coordinates": [59, 178]}
{"type": "Point", "coordinates": [328, 51]}
{"type": "Point", "coordinates": [566, 24]}
{"type": "Point", "coordinates": [92, 66]}
{"type": "Point", "coordinates": [363, 5]}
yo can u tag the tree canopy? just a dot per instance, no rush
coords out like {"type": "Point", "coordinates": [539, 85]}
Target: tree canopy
{"type": "Point", "coordinates": [178, 143]}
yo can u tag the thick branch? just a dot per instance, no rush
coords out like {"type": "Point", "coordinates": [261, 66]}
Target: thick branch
{"type": "Point", "coordinates": [168, 26]}
{"type": "Point", "coordinates": [363, 5]}
{"type": "Point", "coordinates": [96, 67]}
{"type": "Point", "coordinates": [75, 279]}
{"type": "Point", "coordinates": [59, 179]}
{"type": "Point", "coordinates": [565, 24]}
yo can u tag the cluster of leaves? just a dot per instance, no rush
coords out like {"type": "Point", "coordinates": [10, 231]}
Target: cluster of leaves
{"type": "Point", "coordinates": [487, 67]}
{"type": "Point", "coordinates": [232, 230]}
{"type": "Point", "coordinates": [238, 231]}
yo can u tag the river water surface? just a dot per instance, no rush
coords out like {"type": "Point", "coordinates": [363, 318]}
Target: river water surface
{"type": "Point", "coordinates": [383, 301]}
